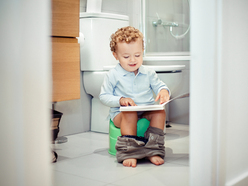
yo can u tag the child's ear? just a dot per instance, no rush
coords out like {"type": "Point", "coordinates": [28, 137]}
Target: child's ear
{"type": "Point", "coordinates": [115, 55]}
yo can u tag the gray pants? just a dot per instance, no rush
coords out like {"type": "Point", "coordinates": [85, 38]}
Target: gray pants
{"type": "Point", "coordinates": [138, 149]}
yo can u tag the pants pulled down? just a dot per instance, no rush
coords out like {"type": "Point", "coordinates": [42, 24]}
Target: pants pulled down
{"type": "Point", "coordinates": [133, 147]}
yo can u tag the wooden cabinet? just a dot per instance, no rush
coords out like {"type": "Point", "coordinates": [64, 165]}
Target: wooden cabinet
{"type": "Point", "coordinates": [65, 50]}
{"type": "Point", "coordinates": [66, 69]}
{"type": "Point", "coordinates": [65, 18]}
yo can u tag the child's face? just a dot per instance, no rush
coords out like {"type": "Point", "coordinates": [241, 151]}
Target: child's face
{"type": "Point", "coordinates": [130, 55]}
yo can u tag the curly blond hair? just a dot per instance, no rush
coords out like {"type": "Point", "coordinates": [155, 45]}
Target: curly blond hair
{"type": "Point", "coordinates": [125, 34]}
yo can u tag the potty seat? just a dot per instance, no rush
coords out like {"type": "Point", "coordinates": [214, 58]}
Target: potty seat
{"type": "Point", "coordinates": [114, 132]}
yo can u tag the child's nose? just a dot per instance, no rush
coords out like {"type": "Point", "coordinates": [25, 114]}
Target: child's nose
{"type": "Point", "coordinates": [132, 58]}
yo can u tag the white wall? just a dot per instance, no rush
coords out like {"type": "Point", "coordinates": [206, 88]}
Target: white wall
{"type": "Point", "coordinates": [25, 92]}
{"type": "Point", "coordinates": [219, 99]}
{"type": "Point", "coordinates": [235, 88]}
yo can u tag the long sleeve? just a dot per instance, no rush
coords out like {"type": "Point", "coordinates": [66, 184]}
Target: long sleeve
{"type": "Point", "coordinates": [107, 96]}
{"type": "Point", "coordinates": [157, 84]}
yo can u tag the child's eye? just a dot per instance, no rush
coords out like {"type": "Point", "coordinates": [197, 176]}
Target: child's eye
{"type": "Point", "coordinates": [137, 55]}
{"type": "Point", "coordinates": [126, 57]}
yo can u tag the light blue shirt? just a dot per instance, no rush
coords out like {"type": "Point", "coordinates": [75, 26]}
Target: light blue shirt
{"type": "Point", "coordinates": [121, 83]}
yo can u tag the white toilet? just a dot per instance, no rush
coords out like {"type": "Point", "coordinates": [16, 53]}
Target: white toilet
{"type": "Point", "coordinates": [97, 59]}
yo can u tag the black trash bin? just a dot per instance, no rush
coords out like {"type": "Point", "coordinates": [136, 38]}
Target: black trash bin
{"type": "Point", "coordinates": [55, 124]}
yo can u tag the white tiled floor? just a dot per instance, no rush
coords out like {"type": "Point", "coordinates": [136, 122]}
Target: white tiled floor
{"type": "Point", "coordinates": [84, 160]}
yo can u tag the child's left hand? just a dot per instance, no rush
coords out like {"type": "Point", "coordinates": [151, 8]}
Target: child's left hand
{"type": "Point", "coordinates": [163, 95]}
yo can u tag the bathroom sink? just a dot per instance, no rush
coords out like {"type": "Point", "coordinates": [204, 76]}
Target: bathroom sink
{"type": "Point", "coordinates": [166, 68]}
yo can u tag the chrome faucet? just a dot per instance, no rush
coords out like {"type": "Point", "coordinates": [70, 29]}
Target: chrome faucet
{"type": "Point", "coordinates": [164, 24]}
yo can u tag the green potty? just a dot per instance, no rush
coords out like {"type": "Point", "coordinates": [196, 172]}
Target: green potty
{"type": "Point", "coordinates": [114, 132]}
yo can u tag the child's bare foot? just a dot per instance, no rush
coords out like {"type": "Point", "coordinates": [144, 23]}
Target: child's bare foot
{"type": "Point", "coordinates": [130, 162]}
{"type": "Point", "coordinates": [157, 160]}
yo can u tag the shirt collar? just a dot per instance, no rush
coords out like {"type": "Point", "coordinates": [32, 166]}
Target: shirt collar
{"type": "Point", "coordinates": [142, 70]}
{"type": "Point", "coordinates": [123, 72]}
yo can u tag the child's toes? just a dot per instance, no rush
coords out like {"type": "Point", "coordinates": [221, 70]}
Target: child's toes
{"type": "Point", "coordinates": [157, 160]}
{"type": "Point", "coordinates": [161, 161]}
{"type": "Point", "coordinates": [126, 163]}
{"type": "Point", "coordinates": [130, 162]}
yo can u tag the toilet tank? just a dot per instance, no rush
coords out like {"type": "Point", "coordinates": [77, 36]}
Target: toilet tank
{"type": "Point", "coordinates": [97, 29]}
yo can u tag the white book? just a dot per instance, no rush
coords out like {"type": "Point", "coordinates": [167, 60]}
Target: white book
{"type": "Point", "coordinates": [151, 107]}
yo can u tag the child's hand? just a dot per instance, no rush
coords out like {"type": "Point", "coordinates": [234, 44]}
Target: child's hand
{"type": "Point", "coordinates": [163, 95]}
{"type": "Point", "coordinates": [127, 102]}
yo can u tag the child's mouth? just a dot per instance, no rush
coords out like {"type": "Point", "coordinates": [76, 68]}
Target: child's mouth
{"type": "Point", "coordinates": [132, 65]}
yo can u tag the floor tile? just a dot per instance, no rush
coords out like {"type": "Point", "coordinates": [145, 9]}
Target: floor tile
{"type": "Point", "coordinates": [84, 160]}
{"type": "Point", "coordinates": [98, 166]}
{"type": "Point", "coordinates": [179, 126]}
{"type": "Point", "coordinates": [63, 179]}
{"type": "Point", "coordinates": [172, 156]}
{"type": "Point", "coordinates": [168, 174]}
{"type": "Point", "coordinates": [173, 134]}
{"type": "Point", "coordinates": [182, 161]}
{"type": "Point", "coordinates": [79, 145]}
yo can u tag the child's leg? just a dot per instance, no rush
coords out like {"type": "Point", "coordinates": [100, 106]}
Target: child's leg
{"type": "Point", "coordinates": [156, 118]}
{"type": "Point", "coordinates": [155, 149]}
{"type": "Point", "coordinates": [128, 149]}
{"type": "Point", "coordinates": [127, 122]}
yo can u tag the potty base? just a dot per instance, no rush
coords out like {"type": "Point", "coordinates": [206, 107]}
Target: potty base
{"type": "Point", "coordinates": [114, 132]}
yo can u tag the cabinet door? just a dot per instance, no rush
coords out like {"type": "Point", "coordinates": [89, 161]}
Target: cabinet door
{"type": "Point", "coordinates": [65, 69]}
{"type": "Point", "coordinates": [65, 18]}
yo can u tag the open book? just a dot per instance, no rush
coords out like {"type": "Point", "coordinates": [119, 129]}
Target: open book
{"type": "Point", "coordinates": [151, 107]}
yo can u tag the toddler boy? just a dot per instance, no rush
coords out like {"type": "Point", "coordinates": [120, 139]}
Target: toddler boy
{"type": "Point", "coordinates": [130, 84]}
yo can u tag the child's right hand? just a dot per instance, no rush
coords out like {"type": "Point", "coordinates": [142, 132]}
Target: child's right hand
{"type": "Point", "coordinates": [127, 102]}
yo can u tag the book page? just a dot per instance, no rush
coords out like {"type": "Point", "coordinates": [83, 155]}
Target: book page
{"type": "Point", "coordinates": [151, 107]}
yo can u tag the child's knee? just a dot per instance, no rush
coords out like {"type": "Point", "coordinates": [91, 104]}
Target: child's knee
{"type": "Point", "coordinates": [155, 115]}
{"type": "Point", "coordinates": [161, 113]}
{"type": "Point", "coordinates": [132, 113]}
{"type": "Point", "coordinates": [130, 116]}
